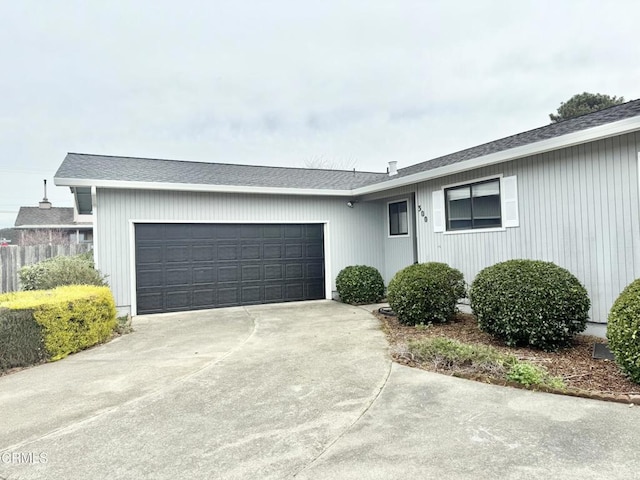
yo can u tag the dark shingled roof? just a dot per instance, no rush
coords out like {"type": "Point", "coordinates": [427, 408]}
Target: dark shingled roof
{"type": "Point", "coordinates": [46, 216]}
{"type": "Point", "coordinates": [595, 119]}
{"type": "Point", "coordinates": [104, 167]}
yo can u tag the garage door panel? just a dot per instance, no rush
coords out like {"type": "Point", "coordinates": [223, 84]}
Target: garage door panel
{"type": "Point", "coordinates": [315, 250]}
{"type": "Point", "coordinates": [315, 290]}
{"type": "Point", "coordinates": [153, 255]}
{"type": "Point", "coordinates": [178, 300]}
{"type": "Point", "coordinates": [294, 291]}
{"type": "Point", "coordinates": [252, 294]}
{"type": "Point", "coordinates": [251, 273]}
{"type": "Point", "coordinates": [228, 296]}
{"type": "Point", "coordinates": [314, 271]}
{"type": "Point", "coordinates": [228, 252]}
{"type": "Point", "coordinates": [293, 250]}
{"type": "Point", "coordinates": [204, 298]}
{"type": "Point", "coordinates": [272, 251]}
{"type": "Point", "coordinates": [272, 231]}
{"type": "Point", "coordinates": [250, 252]}
{"type": "Point", "coordinates": [150, 278]}
{"type": "Point", "coordinates": [177, 231]}
{"type": "Point", "coordinates": [294, 271]}
{"type": "Point", "coordinates": [228, 273]}
{"type": "Point", "coordinates": [314, 232]}
{"type": "Point", "coordinates": [204, 253]}
{"type": "Point", "coordinates": [178, 253]}
{"type": "Point", "coordinates": [293, 231]}
{"type": "Point", "coordinates": [175, 277]}
{"type": "Point", "coordinates": [150, 302]}
{"type": "Point", "coordinates": [204, 275]}
{"type": "Point", "coordinates": [274, 293]}
{"type": "Point", "coordinates": [250, 231]}
{"type": "Point", "coordinates": [195, 266]}
{"type": "Point", "coordinates": [273, 272]}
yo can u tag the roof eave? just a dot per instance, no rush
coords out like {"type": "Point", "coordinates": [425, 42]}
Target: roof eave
{"type": "Point", "coordinates": [194, 187]}
{"type": "Point", "coordinates": [621, 127]}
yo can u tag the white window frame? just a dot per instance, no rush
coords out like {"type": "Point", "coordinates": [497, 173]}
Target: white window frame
{"type": "Point", "coordinates": [473, 230]}
{"type": "Point", "coordinates": [403, 235]}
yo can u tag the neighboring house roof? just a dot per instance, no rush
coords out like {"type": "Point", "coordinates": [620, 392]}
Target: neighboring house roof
{"type": "Point", "coordinates": [129, 172]}
{"type": "Point", "coordinates": [54, 217]}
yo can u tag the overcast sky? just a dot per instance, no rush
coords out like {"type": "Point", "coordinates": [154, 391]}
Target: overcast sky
{"type": "Point", "coordinates": [290, 82]}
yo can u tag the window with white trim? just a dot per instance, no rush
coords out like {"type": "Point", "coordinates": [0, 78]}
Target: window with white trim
{"type": "Point", "coordinates": [398, 218]}
{"type": "Point", "coordinates": [475, 205]}
{"type": "Point", "coordinates": [486, 204]}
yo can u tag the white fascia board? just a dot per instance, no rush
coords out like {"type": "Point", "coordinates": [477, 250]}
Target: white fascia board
{"type": "Point", "coordinates": [192, 187]}
{"type": "Point", "coordinates": [590, 135]}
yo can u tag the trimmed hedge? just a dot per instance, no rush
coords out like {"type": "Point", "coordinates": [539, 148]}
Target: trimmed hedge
{"type": "Point", "coordinates": [360, 284]}
{"type": "Point", "coordinates": [623, 330]}
{"type": "Point", "coordinates": [66, 319]}
{"type": "Point", "coordinates": [58, 271]}
{"type": "Point", "coordinates": [21, 341]}
{"type": "Point", "coordinates": [426, 293]}
{"type": "Point", "coordinates": [530, 302]}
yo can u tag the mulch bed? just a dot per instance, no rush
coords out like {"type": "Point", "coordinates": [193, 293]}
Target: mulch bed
{"type": "Point", "coordinates": [583, 375]}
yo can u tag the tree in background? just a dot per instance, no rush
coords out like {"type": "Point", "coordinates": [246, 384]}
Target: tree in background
{"type": "Point", "coordinates": [583, 103]}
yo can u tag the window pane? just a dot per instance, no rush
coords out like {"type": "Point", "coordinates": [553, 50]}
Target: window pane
{"type": "Point", "coordinates": [486, 204]}
{"type": "Point", "coordinates": [459, 208]}
{"type": "Point", "coordinates": [398, 218]}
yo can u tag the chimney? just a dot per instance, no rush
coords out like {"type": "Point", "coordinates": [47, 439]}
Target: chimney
{"type": "Point", "coordinates": [393, 168]}
{"type": "Point", "coordinates": [45, 204]}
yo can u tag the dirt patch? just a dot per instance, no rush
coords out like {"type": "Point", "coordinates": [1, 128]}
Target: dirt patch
{"type": "Point", "coordinates": [583, 375]}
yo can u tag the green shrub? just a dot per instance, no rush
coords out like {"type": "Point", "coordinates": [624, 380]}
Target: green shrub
{"type": "Point", "coordinates": [21, 341]}
{"type": "Point", "coordinates": [425, 293]}
{"type": "Point", "coordinates": [360, 284]}
{"type": "Point", "coordinates": [71, 318]}
{"type": "Point", "coordinates": [529, 375]}
{"type": "Point", "coordinates": [59, 271]}
{"type": "Point", "coordinates": [623, 330]}
{"type": "Point", "coordinates": [451, 354]}
{"type": "Point", "coordinates": [529, 302]}
{"type": "Point", "coordinates": [447, 354]}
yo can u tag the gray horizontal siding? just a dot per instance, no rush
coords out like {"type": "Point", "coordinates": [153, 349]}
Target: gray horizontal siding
{"type": "Point", "coordinates": [355, 234]}
{"type": "Point", "coordinates": [578, 208]}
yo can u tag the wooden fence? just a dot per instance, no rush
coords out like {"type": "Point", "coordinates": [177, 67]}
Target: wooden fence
{"type": "Point", "coordinates": [14, 257]}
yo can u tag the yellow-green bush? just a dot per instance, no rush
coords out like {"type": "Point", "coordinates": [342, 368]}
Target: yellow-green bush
{"type": "Point", "coordinates": [71, 317]}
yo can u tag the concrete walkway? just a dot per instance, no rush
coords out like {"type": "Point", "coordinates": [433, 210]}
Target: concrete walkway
{"type": "Point", "coordinates": [302, 390]}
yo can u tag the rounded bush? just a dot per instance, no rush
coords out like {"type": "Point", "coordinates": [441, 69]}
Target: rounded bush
{"type": "Point", "coordinates": [360, 284]}
{"type": "Point", "coordinates": [623, 330]}
{"type": "Point", "coordinates": [425, 293]}
{"type": "Point", "coordinates": [530, 302]}
{"type": "Point", "coordinates": [60, 271]}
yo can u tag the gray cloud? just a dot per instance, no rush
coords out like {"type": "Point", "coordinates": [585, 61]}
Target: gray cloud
{"type": "Point", "coordinates": [282, 82]}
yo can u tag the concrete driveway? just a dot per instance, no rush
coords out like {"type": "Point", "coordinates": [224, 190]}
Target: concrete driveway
{"type": "Point", "coordinates": [303, 390]}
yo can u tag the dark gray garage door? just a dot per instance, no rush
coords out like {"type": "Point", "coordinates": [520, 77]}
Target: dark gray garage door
{"type": "Point", "coordinates": [197, 266]}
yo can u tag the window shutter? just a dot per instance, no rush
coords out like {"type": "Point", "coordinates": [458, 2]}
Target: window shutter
{"type": "Point", "coordinates": [437, 198]}
{"type": "Point", "coordinates": [510, 217]}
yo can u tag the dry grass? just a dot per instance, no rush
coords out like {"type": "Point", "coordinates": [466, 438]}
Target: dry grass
{"type": "Point", "coordinates": [583, 375]}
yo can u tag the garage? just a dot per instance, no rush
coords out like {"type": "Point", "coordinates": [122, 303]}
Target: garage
{"type": "Point", "coordinates": [182, 266]}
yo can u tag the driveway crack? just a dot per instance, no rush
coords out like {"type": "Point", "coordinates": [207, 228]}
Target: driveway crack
{"type": "Point", "coordinates": [350, 426]}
